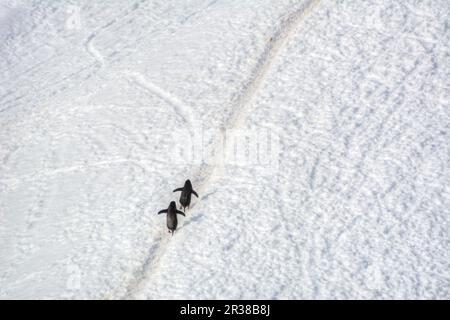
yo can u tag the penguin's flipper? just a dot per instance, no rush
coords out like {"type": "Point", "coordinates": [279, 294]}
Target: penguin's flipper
{"type": "Point", "coordinates": [178, 189]}
{"type": "Point", "coordinates": [181, 212]}
{"type": "Point", "coordinates": [195, 193]}
{"type": "Point", "coordinates": [163, 211]}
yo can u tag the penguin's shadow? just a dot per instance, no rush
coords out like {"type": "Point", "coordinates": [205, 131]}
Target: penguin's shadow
{"type": "Point", "coordinates": [195, 219]}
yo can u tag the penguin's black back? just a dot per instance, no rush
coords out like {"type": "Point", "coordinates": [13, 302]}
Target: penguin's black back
{"type": "Point", "coordinates": [172, 221]}
{"type": "Point", "coordinates": [185, 198]}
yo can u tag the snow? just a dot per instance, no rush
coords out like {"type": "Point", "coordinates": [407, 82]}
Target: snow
{"type": "Point", "coordinates": [106, 107]}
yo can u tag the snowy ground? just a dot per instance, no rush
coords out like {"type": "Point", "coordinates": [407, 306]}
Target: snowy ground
{"type": "Point", "coordinates": [107, 106]}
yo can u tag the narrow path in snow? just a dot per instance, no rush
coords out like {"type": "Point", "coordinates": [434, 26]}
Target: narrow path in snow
{"type": "Point", "coordinates": [241, 103]}
{"type": "Point", "coordinates": [149, 267]}
{"type": "Point", "coordinates": [180, 108]}
{"type": "Point", "coordinates": [240, 109]}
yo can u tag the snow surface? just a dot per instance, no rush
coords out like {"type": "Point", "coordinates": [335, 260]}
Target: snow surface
{"type": "Point", "coordinates": [107, 106]}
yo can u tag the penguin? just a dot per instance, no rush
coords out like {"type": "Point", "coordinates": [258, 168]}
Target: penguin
{"type": "Point", "coordinates": [172, 221]}
{"type": "Point", "coordinates": [186, 192]}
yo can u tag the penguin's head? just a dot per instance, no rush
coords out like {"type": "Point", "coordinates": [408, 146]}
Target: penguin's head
{"type": "Point", "coordinates": [188, 183]}
{"type": "Point", "coordinates": [172, 204]}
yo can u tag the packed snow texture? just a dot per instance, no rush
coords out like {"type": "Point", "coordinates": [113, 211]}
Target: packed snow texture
{"type": "Point", "coordinates": [107, 106]}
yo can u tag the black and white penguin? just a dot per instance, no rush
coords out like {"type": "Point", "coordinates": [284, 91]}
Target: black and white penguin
{"type": "Point", "coordinates": [186, 192]}
{"type": "Point", "coordinates": [172, 220]}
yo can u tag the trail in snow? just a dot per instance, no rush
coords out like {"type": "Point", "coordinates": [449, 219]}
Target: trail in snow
{"type": "Point", "coordinates": [240, 106]}
{"type": "Point", "coordinates": [180, 108]}
{"type": "Point", "coordinates": [241, 103]}
{"type": "Point", "coordinates": [149, 267]}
